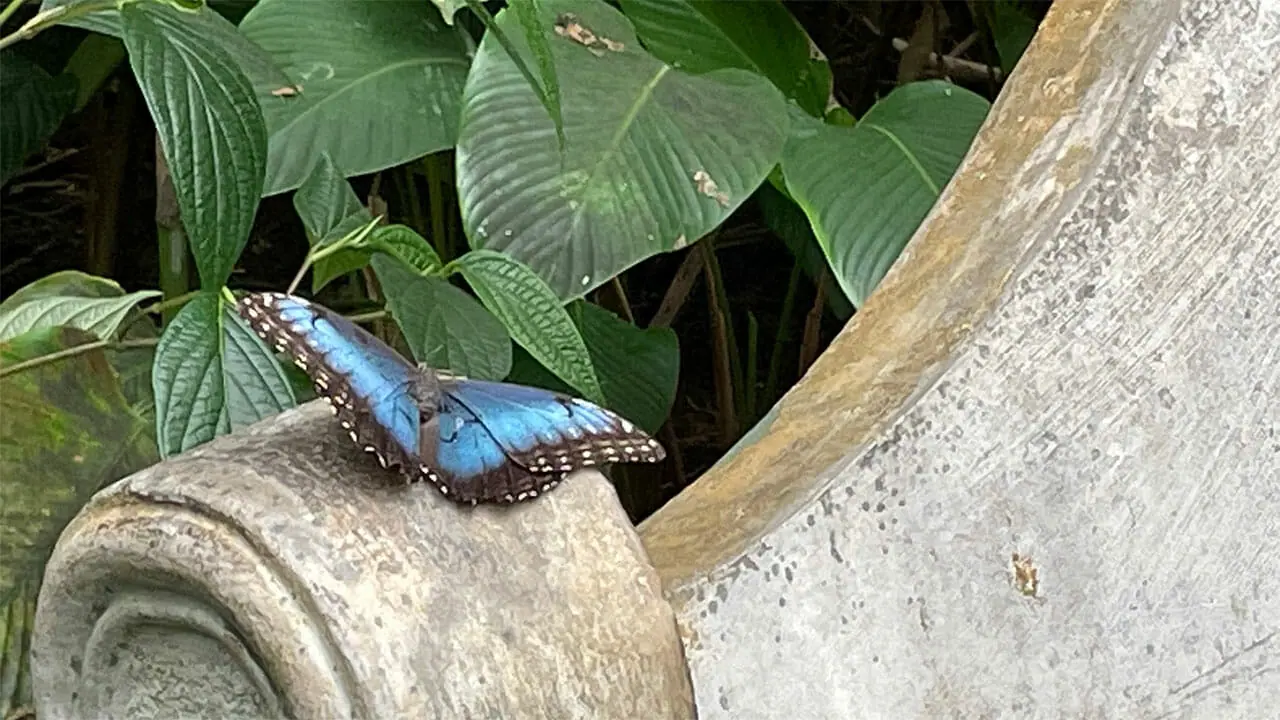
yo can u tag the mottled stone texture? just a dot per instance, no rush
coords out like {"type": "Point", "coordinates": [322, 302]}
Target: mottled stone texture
{"type": "Point", "coordinates": [1076, 360]}
{"type": "Point", "coordinates": [275, 573]}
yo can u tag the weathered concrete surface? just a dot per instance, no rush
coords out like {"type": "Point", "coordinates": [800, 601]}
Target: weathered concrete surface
{"type": "Point", "coordinates": [275, 574]}
{"type": "Point", "coordinates": [1077, 360]}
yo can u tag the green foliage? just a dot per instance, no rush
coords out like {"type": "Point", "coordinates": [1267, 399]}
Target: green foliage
{"type": "Point", "coordinates": [638, 368]}
{"type": "Point", "coordinates": [533, 315]}
{"type": "Point", "coordinates": [699, 36]}
{"type": "Point", "coordinates": [867, 188]}
{"type": "Point", "coordinates": [330, 210]}
{"type": "Point", "coordinates": [373, 83]}
{"type": "Point", "coordinates": [16, 621]}
{"type": "Point", "coordinates": [587, 139]}
{"type": "Point", "coordinates": [654, 157]}
{"type": "Point", "coordinates": [1011, 30]}
{"type": "Point", "coordinates": [212, 375]}
{"type": "Point", "coordinates": [457, 334]}
{"type": "Point", "coordinates": [210, 126]}
{"type": "Point", "coordinates": [65, 430]}
{"type": "Point", "coordinates": [34, 104]}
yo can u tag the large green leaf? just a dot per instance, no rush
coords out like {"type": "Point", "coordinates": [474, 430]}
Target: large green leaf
{"type": "Point", "coordinates": [34, 105]}
{"type": "Point", "coordinates": [100, 317]}
{"type": "Point", "coordinates": [788, 221]}
{"type": "Point", "coordinates": [212, 375]}
{"type": "Point", "coordinates": [212, 28]}
{"type": "Point", "coordinates": [402, 243]}
{"type": "Point", "coordinates": [65, 430]}
{"type": "Point", "coordinates": [762, 36]}
{"type": "Point", "coordinates": [329, 210]}
{"type": "Point", "coordinates": [654, 158]}
{"type": "Point", "coordinates": [638, 369]}
{"type": "Point", "coordinates": [376, 83]}
{"type": "Point", "coordinates": [533, 315]}
{"type": "Point", "coordinates": [445, 327]}
{"type": "Point", "coordinates": [133, 363]}
{"type": "Point", "coordinates": [210, 127]}
{"type": "Point", "coordinates": [63, 283]}
{"type": "Point", "coordinates": [867, 188]}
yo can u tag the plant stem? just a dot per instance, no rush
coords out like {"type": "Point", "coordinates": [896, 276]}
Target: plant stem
{"type": "Point", "coordinates": [370, 316]}
{"type": "Point", "coordinates": [715, 281]}
{"type": "Point", "coordinates": [297, 278]}
{"type": "Point", "coordinates": [46, 19]}
{"type": "Point", "coordinates": [784, 334]}
{"type": "Point", "coordinates": [173, 302]}
{"type": "Point", "coordinates": [431, 165]}
{"type": "Point", "coordinates": [722, 362]}
{"type": "Point", "coordinates": [9, 10]}
{"type": "Point", "coordinates": [77, 350]}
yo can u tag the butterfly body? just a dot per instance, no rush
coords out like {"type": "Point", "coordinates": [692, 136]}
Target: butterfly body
{"type": "Point", "coordinates": [474, 440]}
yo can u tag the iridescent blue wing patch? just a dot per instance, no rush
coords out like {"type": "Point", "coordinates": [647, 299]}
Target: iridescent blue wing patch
{"type": "Point", "coordinates": [367, 383]}
{"type": "Point", "coordinates": [505, 443]}
{"type": "Point", "coordinates": [476, 441]}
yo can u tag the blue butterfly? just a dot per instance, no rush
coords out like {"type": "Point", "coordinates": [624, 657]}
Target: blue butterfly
{"type": "Point", "coordinates": [475, 441]}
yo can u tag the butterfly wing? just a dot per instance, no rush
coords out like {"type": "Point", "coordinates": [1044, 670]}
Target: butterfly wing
{"type": "Point", "coordinates": [476, 441]}
{"type": "Point", "coordinates": [549, 433]}
{"type": "Point", "coordinates": [369, 384]}
{"type": "Point", "coordinates": [470, 465]}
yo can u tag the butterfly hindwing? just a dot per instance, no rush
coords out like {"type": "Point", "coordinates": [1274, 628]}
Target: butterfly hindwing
{"type": "Point", "coordinates": [548, 433]}
{"type": "Point", "coordinates": [472, 465]}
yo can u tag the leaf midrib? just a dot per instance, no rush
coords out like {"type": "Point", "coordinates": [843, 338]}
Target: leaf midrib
{"type": "Point", "coordinates": [632, 113]}
{"type": "Point", "coordinates": [349, 86]}
{"type": "Point", "coordinates": [910, 156]}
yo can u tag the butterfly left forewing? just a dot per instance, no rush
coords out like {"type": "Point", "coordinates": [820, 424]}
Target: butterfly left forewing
{"type": "Point", "coordinates": [364, 381]}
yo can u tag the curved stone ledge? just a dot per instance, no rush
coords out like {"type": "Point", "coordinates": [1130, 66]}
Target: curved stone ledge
{"type": "Point", "coordinates": [1077, 361]}
{"type": "Point", "coordinates": [275, 574]}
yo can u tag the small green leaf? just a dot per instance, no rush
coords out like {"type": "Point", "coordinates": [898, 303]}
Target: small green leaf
{"type": "Point", "coordinates": [210, 126]}
{"type": "Point", "coordinates": [34, 104]}
{"type": "Point", "coordinates": [638, 368]}
{"type": "Point", "coordinates": [867, 188]}
{"type": "Point", "coordinates": [330, 210]}
{"type": "Point", "coordinates": [101, 317]}
{"type": "Point", "coordinates": [326, 203]}
{"type": "Point", "coordinates": [534, 316]}
{"type": "Point", "coordinates": [409, 247]}
{"type": "Point", "coordinates": [535, 35]}
{"type": "Point", "coordinates": [212, 375]}
{"type": "Point", "coordinates": [445, 327]}
{"type": "Point", "coordinates": [65, 431]}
